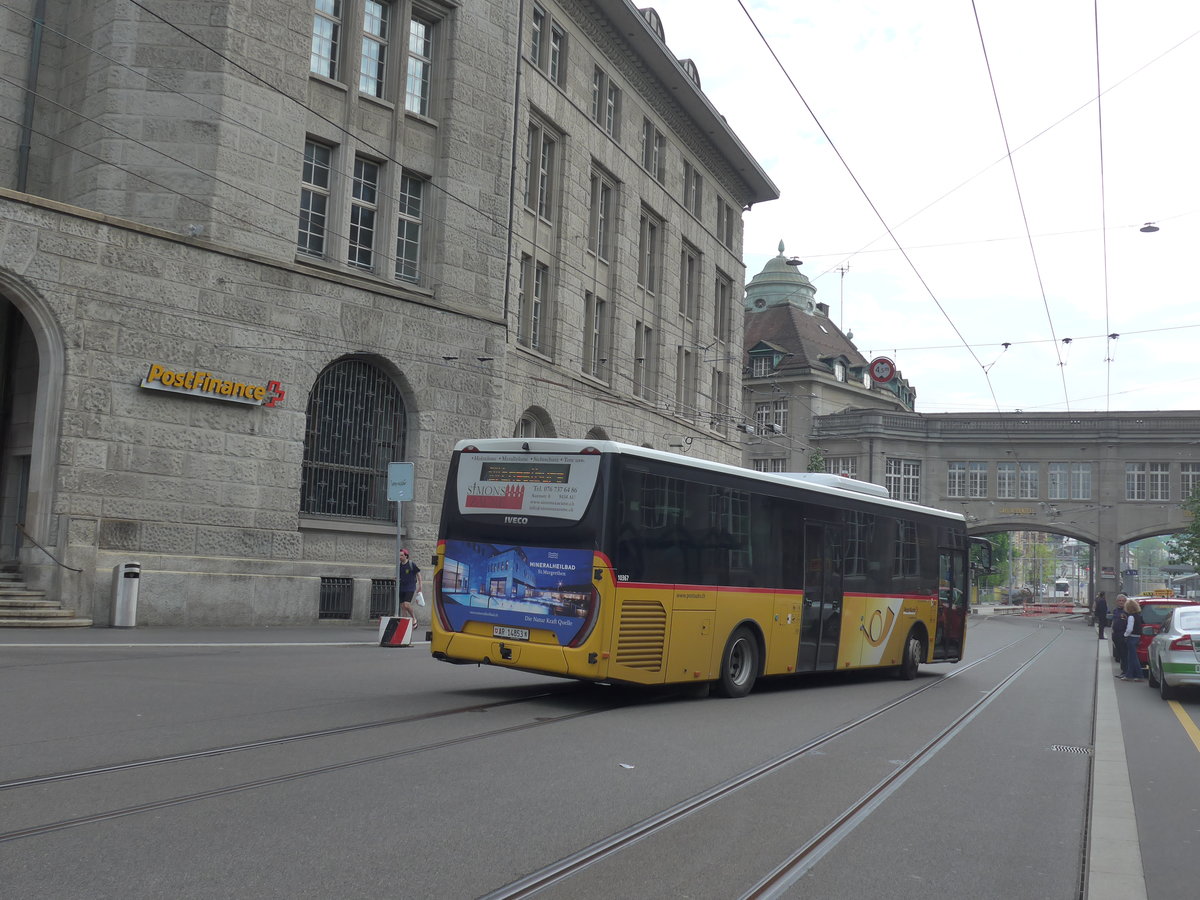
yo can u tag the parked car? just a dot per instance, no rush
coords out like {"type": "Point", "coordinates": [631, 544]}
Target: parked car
{"type": "Point", "coordinates": [1175, 652]}
{"type": "Point", "coordinates": [1155, 612]}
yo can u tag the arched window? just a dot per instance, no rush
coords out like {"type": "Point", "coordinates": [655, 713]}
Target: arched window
{"type": "Point", "coordinates": [356, 426]}
{"type": "Point", "coordinates": [534, 422]}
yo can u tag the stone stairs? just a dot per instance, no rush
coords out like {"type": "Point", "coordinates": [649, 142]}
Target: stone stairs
{"type": "Point", "coordinates": [21, 607]}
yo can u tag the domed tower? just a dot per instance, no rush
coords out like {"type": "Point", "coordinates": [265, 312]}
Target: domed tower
{"type": "Point", "coordinates": [781, 282]}
{"type": "Point", "coordinates": [799, 365]}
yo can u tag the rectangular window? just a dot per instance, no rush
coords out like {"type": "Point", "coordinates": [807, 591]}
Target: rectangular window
{"type": "Point", "coordinates": [723, 294]}
{"type": "Point", "coordinates": [719, 398]}
{"type": "Point", "coordinates": [762, 365]}
{"type": "Point", "coordinates": [1158, 484]}
{"type": "Point", "coordinates": [600, 215]}
{"type": "Point", "coordinates": [1057, 481]}
{"type": "Point", "coordinates": [778, 464]}
{"type": "Point", "coordinates": [533, 302]}
{"type": "Point", "coordinates": [537, 36]}
{"type": "Point", "coordinates": [689, 272]}
{"type": "Point", "coordinates": [408, 231]}
{"type": "Point", "coordinates": [1006, 481]}
{"type": "Point", "coordinates": [725, 222]}
{"type": "Point", "coordinates": [1135, 481]}
{"type": "Point", "coordinates": [649, 230]}
{"type": "Point", "coordinates": [902, 478]}
{"type": "Point", "coordinates": [540, 171]}
{"type": "Point", "coordinates": [314, 199]}
{"type": "Point", "coordinates": [693, 187]}
{"type": "Point", "coordinates": [548, 45]}
{"type": "Point", "coordinates": [524, 279]}
{"type": "Point", "coordinates": [846, 466]}
{"type": "Point", "coordinates": [593, 350]}
{"type": "Point", "coordinates": [558, 54]}
{"type": "Point", "coordinates": [654, 151]}
{"type": "Point", "coordinates": [1189, 479]}
{"type": "Point", "coordinates": [643, 359]}
{"type": "Point", "coordinates": [537, 309]}
{"type": "Point", "coordinates": [956, 479]}
{"type": "Point", "coordinates": [420, 66]}
{"type": "Point", "coordinates": [363, 208]}
{"type": "Point", "coordinates": [977, 479]}
{"type": "Point", "coordinates": [771, 417]}
{"type": "Point", "coordinates": [1081, 481]}
{"type": "Point", "coordinates": [685, 382]}
{"type": "Point", "coordinates": [606, 103]}
{"type": "Point", "coordinates": [612, 112]}
{"type": "Point", "coordinates": [1028, 484]}
{"type": "Point", "coordinates": [327, 26]}
{"type": "Point", "coordinates": [374, 48]}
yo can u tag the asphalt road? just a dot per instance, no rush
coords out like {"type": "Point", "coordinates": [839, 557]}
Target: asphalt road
{"type": "Point", "coordinates": [312, 763]}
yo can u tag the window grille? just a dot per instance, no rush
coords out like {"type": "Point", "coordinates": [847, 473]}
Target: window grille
{"type": "Point", "coordinates": [356, 426]}
{"type": "Point", "coordinates": [337, 598]}
{"type": "Point", "coordinates": [383, 597]}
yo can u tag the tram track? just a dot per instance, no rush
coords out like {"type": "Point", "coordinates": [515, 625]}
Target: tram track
{"type": "Point", "coordinates": [554, 874]}
{"type": "Point", "coordinates": [780, 878]}
{"type": "Point", "coordinates": [225, 790]}
{"type": "Point", "coordinates": [267, 742]}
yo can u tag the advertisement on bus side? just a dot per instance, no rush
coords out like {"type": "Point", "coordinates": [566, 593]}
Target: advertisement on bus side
{"type": "Point", "coordinates": [521, 587]}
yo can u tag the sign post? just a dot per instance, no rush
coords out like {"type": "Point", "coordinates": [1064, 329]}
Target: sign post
{"type": "Point", "coordinates": [400, 488]}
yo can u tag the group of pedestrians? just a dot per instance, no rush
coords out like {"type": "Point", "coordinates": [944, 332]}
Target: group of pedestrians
{"type": "Point", "coordinates": [1126, 623]}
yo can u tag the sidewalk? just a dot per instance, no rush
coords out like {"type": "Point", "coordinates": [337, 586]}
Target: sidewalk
{"type": "Point", "coordinates": [320, 635]}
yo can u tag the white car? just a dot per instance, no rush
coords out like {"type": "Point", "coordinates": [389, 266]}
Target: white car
{"type": "Point", "coordinates": [1174, 653]}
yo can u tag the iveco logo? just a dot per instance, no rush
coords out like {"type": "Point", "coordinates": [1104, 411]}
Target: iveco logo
{"type": "Point", "coordinates": [516, 520]}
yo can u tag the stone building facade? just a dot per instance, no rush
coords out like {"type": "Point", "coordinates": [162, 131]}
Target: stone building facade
{"type": "Point", "coordinates": [250, 253]}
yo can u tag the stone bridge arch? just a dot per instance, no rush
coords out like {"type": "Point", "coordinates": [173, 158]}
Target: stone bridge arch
{"type": "Point", "coordinates": [1106, 479]}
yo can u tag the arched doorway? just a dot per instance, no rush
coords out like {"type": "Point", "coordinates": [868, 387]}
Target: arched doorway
{"type": "Point", "coordinates": [31, 385]}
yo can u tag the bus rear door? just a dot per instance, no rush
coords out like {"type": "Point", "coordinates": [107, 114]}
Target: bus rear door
{"type": "Point", "coordinates": [952, 605]}
{"type": "Point", "coordinates": [821, 621]}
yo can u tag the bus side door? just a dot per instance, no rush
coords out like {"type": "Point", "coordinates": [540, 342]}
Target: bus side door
{"type": "Point", "coordinates": [952, 604]}
{"type": "Point", "coordinates": [821, 620]}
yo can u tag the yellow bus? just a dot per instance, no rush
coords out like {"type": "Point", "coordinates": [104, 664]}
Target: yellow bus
{"type": "Point", "coordinates": [606, 562]}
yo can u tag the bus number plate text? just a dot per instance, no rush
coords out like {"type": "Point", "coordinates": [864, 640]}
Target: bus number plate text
{"type": "Point", "coordinates": [516, 634]}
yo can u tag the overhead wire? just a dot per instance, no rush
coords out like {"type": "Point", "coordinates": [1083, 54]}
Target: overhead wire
{"type": "Point", "coordinates": [1020, 200]}
{"type": "Point", "coordinates": [867, 197]}
{"type": "Point", "coordinates": [1103, 206]}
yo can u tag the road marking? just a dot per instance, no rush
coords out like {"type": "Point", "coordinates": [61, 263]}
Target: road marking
{"type": "Point", "coordinates": [1186, 721]}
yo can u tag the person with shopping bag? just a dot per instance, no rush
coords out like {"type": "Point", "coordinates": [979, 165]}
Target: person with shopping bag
{"type": "Point", "coordinates": [408, 583]}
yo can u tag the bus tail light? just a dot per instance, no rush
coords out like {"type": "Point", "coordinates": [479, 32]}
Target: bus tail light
{"type": "Point", "coordinates": [1182, 643]}
{"type": "Point", "coordinates": [589, 626]}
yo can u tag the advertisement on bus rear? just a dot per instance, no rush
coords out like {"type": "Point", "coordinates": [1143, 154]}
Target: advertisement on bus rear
{"type": "Point", "coordinates": [546, 485]}
{"type": "Point", "coordinates": [517, 588]}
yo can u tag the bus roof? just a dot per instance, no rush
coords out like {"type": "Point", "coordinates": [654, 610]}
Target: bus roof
{"type": "Point", "coordinates": [833, 486]}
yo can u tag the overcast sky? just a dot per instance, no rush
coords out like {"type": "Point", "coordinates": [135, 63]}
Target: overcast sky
{"type": "Point", "coordinates": [902, 90]}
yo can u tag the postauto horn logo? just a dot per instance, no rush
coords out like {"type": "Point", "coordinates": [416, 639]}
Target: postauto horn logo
{"type": "Point", "coordinates": [206, 384]}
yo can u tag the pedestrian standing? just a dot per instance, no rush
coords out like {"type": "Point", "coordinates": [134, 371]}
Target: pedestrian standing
{"type": "Point", "coordinates": [1118, 629]}
{"type": "Point", "coordinates": [408, 583]}
{"type": "Point", "coordinates": [1100, 612]}
{"type": "Point", "coordinates": [1133, 634]}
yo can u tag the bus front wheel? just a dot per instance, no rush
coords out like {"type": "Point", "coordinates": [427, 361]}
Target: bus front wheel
{"type": "Point", "coordinates": [739, 664]}
{"type": "Point", "coordinates": [914, 652]}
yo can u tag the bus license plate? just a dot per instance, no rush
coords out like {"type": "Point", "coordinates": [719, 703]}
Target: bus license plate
{"type": "Point", "coordinates": [517, 634]}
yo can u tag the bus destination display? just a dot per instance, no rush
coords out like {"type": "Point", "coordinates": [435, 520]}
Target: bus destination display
{"type": "Point", "coordinates": [526, 473]}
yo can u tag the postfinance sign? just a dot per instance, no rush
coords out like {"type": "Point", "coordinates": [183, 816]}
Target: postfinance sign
{"type": "Point", "coordinates": [206, 384]}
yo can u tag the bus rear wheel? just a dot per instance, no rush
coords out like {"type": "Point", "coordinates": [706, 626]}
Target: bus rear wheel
{"type": "Point", "coordinates": [739, 664]}
{"type": "Point", "coordinates": [914, 652]}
